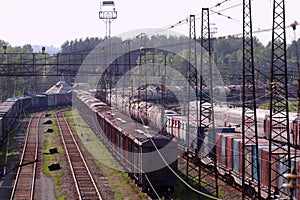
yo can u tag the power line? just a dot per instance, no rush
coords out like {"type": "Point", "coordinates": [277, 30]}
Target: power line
{"type": "Point", "coordinates": [183, 181]}
{"type": "Point", "coordinates": [219, 4]}
{"type": "Point", "coordinates": [227, 16]}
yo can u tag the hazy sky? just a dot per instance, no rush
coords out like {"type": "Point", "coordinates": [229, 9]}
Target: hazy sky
{"type": "Point", "coordinates": [53, 22]}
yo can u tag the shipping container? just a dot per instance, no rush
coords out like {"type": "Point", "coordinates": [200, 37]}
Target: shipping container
{"type": "Point", "coordinates": [262, 143]}
{"type": "Point", "coordinates": [221, 146]}
{"type": "Point", "coordinates": [283, 169]}
{"type": "Point", "coordinates": [265, 162]}
{"type": "Point", "coordinates": [237, 155]}
{"type": "Point", "coordinates": [223, 150]}
{"type": "Point", "coordinates": [250, 160]}
{"type": "Point", "coordinates": [230, 150]}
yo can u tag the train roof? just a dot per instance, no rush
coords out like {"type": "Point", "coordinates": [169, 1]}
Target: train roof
{"type": "Point", "coordinates": [24, 97]}
{"type": "Point", "coordinates": [61, 87]}
{"type": "Point", "coordinates": [129, 127]}
{"type": "Point", "coordinates": [7, 103]}
{"type": "Point", "coordinates": [81, 92]}
{"type": "Point", "coordinates": [91, 101]}
{"type": "Point", "coordinates": [135, 131]}
{"type": "Point", "coordinates": [4, 109]}
{"type": "Point", "coordinates": [97, 104]}
{"type": "Point", "coordinates": [12, 100]}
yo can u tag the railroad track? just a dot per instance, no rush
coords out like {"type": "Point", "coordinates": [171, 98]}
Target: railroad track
{"type": "Point", "coordinates": [84, 182]}
{"type": "Point", "coordinates": [24, 184]}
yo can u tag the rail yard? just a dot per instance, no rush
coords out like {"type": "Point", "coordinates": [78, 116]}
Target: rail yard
{"type": "Point", "coordinates": [155, 114]}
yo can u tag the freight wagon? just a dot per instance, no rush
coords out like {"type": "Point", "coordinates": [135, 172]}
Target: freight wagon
{"type": "Point", "coordinates": [232, 117]}
{"type": "Point", "coordinates": [229, 160]}
{"type": "Point", "coordinates": [228, 141]}
{"type": "Point", "coordinates": [11, 108]}
{"type": "Point", "coordinates": [135, 146]}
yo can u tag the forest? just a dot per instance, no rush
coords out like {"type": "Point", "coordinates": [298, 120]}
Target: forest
{"type": "Point", "coordinates": [227, 54]}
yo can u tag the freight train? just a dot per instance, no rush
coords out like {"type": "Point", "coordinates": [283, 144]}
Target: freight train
{"type": "Point", "coordinates": [134, 145]}
{"type": "Point", "coordinates": [11, 108]}
{"type": "Point", "coordinates": [226, 142]}
{"type": "Point", "coordinates": [175, 124]}
{"type": "Point", "coordinates": [232, 117]}
{"type": "Point", "coordinates": [168, 122]}
{"type": "Point", "coordinates": [229, 159]}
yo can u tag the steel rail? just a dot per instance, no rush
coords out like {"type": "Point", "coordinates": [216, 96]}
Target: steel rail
{"type": "Point", "coordinates": [63, 122]}
{"type": "Point", "coordinates": [33, 125]}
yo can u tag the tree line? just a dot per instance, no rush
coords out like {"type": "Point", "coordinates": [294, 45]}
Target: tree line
{"type": "Point", "coordinates": [227, 56]}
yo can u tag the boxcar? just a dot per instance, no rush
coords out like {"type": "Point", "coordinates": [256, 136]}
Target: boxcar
{"type": "Point", "coordinates": [39, 102]}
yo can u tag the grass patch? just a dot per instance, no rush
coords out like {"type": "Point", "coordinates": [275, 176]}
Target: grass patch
{"type": "Point", "coordinates": [183, 192]}
{"type": "Point", "coordinates": [292, 106]}
{"type": "Point", "coordinates": [51, 140]}
{"type": "Point", "coordinates": [91, 141]}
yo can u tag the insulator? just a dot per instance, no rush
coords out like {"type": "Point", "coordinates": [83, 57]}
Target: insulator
{"type": "Point", "coordinates": [290, 186]}
{"type": "Point", "coordinates": [291, 176]}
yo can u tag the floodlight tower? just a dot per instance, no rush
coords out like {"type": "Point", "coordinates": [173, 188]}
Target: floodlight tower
{"type": "Point", "coordinates": [107, 13]}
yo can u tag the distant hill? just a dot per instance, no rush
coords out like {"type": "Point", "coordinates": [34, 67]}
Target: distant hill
{"type": "Point", "coordinates": [49, 49]}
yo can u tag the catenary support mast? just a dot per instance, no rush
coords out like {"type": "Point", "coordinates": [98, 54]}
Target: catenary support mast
{"type": "Point", "coordinates": [278, 135]}
{"type": "Point", "coordinates": [249, 117]}
{"type": "Point", "coordinates": [206, 104]}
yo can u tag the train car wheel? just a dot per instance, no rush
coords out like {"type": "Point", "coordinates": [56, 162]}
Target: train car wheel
{"type": "Point", "coordinates": [229, 179]}
{"type": "Point", "coordinates": [145, 189]}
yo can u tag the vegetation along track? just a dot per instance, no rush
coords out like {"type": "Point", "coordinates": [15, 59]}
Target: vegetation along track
{"type": "Point", "coordinates": [24, 184]}
{"type": "Point", "coordinates": [85, 184]}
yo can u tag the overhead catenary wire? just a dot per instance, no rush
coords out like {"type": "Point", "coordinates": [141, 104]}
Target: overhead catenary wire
{"type": "Point", "coordinates": [233, 151]}
{"type": "Point", "coordinates": [220, 3]}
{"type": "Point", "coordinates": [226, 16]}
{"type": "Point", "coordinates": [207, 142]}
{"type": "Point", "coordinates": [185, 21]}
{"type": "Point", "coordinates": [198, 16]}
{"type": "Point", "coordinates": [181, 179]}
{"type": "Point", "coordinates": [228, 8]}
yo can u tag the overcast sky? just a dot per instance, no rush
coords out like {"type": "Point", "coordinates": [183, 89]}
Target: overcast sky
{"type": "Point", "coordinates": [41, 22]}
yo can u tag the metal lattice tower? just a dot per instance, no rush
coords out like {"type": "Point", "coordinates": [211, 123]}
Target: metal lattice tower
{"type": "Point", "coordinates": [249, 126]}
{"type": "Point", "coordinates": [206, 105]}
{"type": "Point", "coordinates": [107, 13]}
{"type": "Point", "coordinates": [279, 136]}
{"type": "Point", "coordinates": [192, 169]}
{"type": "Point", "coordinates": [127, 63]}
{"type": "Point", "coordinates": [142, 62]}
